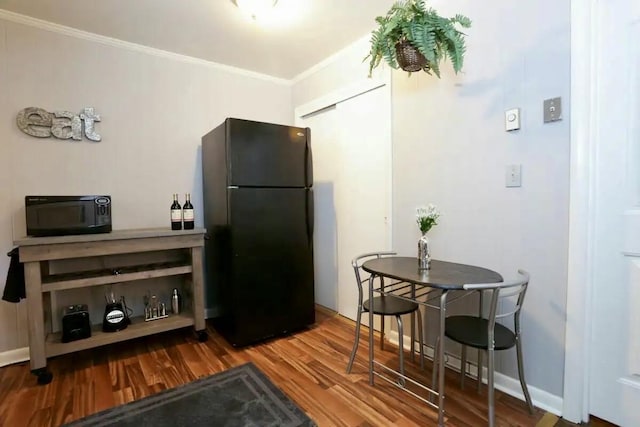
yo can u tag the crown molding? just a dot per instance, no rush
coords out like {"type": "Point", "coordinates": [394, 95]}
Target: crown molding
{"type": "Point", "coordinates": [320, 65]}
{"type": "Point", "coordinates": [110, 41]}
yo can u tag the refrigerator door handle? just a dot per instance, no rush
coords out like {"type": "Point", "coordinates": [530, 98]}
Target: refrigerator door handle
{"type": "Point", "coordinates": [310, 216]}
{"type": "Point", "coordinates": [309, 159]}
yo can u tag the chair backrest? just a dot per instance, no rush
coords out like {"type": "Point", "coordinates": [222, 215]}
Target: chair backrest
{"type": "Point", "coordinates": [500, 290]}
{"type": "Point", "coordinates": [357, 269]}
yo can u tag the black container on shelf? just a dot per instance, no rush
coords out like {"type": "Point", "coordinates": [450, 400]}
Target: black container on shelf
{"type": "Point", "coordinates": [76, 323]}
{"type": "Point", "coordinates": [115, 315]}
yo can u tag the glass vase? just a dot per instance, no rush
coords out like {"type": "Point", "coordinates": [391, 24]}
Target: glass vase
{"type": "Point", "coordinates": [424, 253]}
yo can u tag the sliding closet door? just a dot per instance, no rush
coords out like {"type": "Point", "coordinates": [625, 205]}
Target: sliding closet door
{"type": "Point", "coordinates": [351, 143]}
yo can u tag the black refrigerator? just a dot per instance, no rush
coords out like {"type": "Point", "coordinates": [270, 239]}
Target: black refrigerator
{"type": "Point", "coordinates": [258, 211]}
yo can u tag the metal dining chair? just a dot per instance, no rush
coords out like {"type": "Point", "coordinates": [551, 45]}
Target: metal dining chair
{"type": "Point", "coordinates": [383, 305]}
{"type": "Point", "coordinates": [484, 333]}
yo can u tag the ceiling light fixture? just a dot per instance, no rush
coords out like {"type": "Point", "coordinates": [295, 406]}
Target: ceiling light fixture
{"type": "Point", "coordinates": [256, 8]}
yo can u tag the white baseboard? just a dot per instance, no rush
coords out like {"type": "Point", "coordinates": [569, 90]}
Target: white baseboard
{"type": "Point", "coordinates": [511, 386]}
{"type": "Point", "coordinates": [14, 356]}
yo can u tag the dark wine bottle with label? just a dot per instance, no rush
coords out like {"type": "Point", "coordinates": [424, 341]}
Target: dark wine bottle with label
{"type": "Point", "coordinates": [176, 214]}
{"type": "Point", "coordinates": [187, 213]}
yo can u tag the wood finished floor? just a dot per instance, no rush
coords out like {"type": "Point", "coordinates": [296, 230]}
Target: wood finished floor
{"type": "Point", "coordinates": [308, 366]}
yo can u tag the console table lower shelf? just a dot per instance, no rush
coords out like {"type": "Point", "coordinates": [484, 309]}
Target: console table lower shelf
{"type": "Point", "coordinates": [138, 328]}
{"type": "Point", "coordinates": [38, 253]}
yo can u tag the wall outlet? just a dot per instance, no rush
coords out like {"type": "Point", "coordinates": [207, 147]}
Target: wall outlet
{"type": "Point", "coordinates": [513, 176]}
{"type": "Point", "coordinates": [552, 109]}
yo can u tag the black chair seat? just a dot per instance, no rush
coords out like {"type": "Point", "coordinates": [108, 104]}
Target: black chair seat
{"type": "Point", "coordinates": [390, 306]}
{"type": "Point", "coordinates": [472, 331]}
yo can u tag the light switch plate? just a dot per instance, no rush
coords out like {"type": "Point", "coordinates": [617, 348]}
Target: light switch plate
{"type": "Point", "coordinates": [513, 176]}
{"type": "Point", "coordinates": [552, 109]}
{"type": "Point", "coordinates": [512, 119]}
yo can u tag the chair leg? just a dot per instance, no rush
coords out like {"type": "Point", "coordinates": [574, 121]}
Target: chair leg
{"type": "Point", "coordinates": [490, 391]}
{"type": "Point", "coordinates": [401, 349]}
{"type": "Point", "coordinates": [355, 342]}
{"type": "Point", "coordinates": [381, 332]}
{"type": "Point", "coordinates": [479, 371]}
{"type": "Point", "coordinates": [413, 336]}
{"type": "Point", "coordinates": [420, 339]}
{"type": "Point", "coordinates": [434, 379]}
{"type": "Point", "coordinates": [523, 383]}
{"type": "Point", "coordinates": [463, 365]}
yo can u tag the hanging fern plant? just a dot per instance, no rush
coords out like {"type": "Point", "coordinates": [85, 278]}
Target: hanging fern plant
{"type": "Point", "coordinates": [415, 38]}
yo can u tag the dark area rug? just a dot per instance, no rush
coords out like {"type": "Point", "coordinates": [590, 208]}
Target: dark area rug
{"type": "Point", "coordinates": [242, 396]}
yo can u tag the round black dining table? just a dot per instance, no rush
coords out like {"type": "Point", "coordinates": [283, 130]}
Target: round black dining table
{"type": "Point", "coordinates": [443, 276]}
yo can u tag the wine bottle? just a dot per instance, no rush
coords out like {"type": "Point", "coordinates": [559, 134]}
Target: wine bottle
{"type": "Point", "coordinates": [176, 214]}
{"type": "Point", "coordinates": [187, 213]}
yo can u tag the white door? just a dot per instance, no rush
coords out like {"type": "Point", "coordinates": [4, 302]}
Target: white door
{"type": "Point", "coordinates": [325, 145]}
{"type": "Point", "coordinates": [614, 383]}
{"type": "Point", "coordinates": [351, 143]}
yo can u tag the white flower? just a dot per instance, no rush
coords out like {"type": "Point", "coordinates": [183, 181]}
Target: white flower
{"type": "Point", "coordinates": [427, 217]}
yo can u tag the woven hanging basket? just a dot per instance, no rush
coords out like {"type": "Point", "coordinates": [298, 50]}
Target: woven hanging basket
{"type": "Point", "coordinates": [409, 58]}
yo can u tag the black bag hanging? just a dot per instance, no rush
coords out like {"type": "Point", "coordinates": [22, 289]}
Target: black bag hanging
{"type": "Point", "coordinates": [14, 289]}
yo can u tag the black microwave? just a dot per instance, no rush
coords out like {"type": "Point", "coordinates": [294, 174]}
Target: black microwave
{"type": "Point", "coordinates": [63, 215]}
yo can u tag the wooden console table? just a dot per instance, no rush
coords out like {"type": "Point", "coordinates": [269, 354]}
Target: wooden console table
{"type": "Point", "coordinates": [37, 252]}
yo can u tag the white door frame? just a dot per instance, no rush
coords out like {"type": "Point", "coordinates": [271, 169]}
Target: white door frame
{"type": "Point", "coordinates": [342, 94]}
{"type": "Point", "coordinates": [585, 48]}
{"type": "Point", "coordinates": [381, 78]}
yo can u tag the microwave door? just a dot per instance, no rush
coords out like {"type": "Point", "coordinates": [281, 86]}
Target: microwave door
{"type": "Point", "coordinates": [63, 217]}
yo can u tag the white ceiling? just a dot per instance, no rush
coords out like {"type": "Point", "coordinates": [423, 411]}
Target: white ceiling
{"type": "Point", "coordinates": [300, 33]}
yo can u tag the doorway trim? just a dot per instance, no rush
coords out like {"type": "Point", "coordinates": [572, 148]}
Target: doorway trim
{"type": "Point", "coordinates": [585, 31]}
{"type": "Point", "coordinates": [342, 94]}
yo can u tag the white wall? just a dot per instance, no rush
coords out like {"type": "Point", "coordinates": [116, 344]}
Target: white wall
{"type": "Point", "coordinates": [8, 312]}
{"type": "Point", "coordinates": [154, 111]}
{"type": "Point", "coordinates": [450, 148]}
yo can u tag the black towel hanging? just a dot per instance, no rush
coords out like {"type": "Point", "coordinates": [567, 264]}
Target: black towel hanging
{"type": "Point", "coordinates": [14, 289]}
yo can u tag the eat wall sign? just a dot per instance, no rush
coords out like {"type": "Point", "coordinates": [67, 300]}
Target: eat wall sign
{"type": "Point", "coordinates": [60, 124]}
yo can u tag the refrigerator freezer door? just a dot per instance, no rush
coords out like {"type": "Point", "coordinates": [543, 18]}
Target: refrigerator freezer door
{"type": "Point", "coordinates": [267, 155]}
{"type": "Point", "coordinates": [272, 262]}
